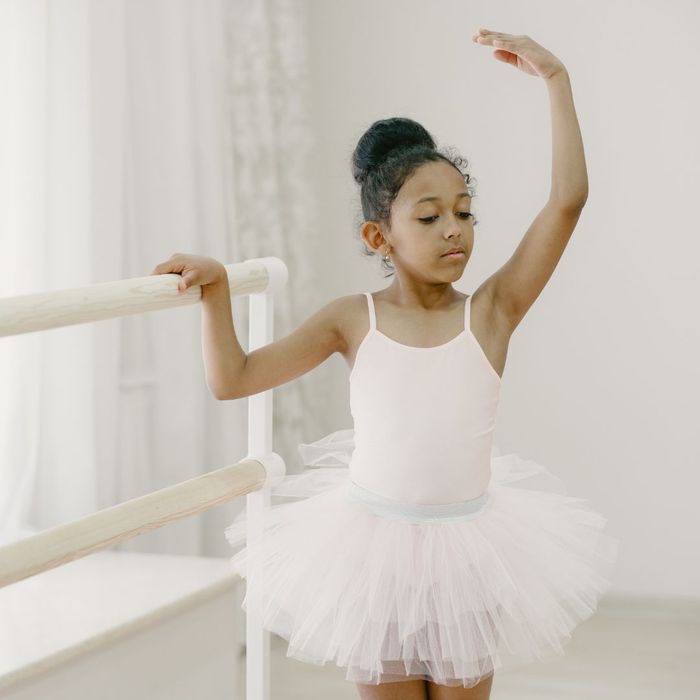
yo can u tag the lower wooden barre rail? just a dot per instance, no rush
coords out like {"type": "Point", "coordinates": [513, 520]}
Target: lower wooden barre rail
{"type": "Point", "coordinates": [105, 528]}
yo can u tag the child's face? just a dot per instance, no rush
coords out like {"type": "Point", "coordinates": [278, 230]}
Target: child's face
{"type": "Point", "coordinates": [418, 246]}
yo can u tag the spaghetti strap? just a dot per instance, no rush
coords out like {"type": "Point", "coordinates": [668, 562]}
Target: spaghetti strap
{"type": "Point", "coordinates": [467, 312]}
{"type": "Point", "coordinates": [370, 309]}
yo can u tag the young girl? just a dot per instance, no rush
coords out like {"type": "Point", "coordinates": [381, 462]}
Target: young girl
{"type": "Point", "coordinates": [427, 560]}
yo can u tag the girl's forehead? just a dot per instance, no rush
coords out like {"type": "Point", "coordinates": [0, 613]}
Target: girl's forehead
{"type": "Point", "coordinates": [432, 180]}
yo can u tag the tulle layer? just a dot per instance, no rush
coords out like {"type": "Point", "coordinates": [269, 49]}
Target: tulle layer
{"type": "Point", "coordinates": [391, 594]}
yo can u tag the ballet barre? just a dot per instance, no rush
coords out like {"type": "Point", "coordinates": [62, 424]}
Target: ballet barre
{"type": "Point", "coordinates": [258, 278]}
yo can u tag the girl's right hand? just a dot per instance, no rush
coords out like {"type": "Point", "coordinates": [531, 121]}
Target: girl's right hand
{"type": "Point", "coordinates": [195, 270]}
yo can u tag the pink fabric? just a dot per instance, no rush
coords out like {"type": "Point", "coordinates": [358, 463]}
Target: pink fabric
{"type": "Point", "coordinates": [415, 406]}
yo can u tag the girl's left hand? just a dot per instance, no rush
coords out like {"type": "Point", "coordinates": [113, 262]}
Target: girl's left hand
{"type": "Point", "coordinates": [522, 52]}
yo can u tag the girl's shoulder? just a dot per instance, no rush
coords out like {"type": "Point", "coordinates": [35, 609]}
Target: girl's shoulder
{"type": "Point", "coordinates": [350, 317]}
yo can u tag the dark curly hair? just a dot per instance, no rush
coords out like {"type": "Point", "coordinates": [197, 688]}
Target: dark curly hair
{"type": "Point", "coordinates": [389, 152]}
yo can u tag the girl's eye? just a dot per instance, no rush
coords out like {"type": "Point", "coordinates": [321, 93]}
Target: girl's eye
{"type": "Point", "coordinates": [464, 214]}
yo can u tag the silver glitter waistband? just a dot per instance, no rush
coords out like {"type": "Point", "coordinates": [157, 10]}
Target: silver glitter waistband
{"type": "Point", "coordinates": [416, 512]}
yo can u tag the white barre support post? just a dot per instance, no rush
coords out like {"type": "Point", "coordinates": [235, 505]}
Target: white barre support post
{"type": "Point", "coordinates": [261, 317]}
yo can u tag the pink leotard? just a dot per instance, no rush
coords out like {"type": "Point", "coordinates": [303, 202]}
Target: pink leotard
{"type": "Point", "coordinates": [423, 416]}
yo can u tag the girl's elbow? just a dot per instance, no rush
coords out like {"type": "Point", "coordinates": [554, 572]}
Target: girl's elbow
{"type": "Point", "coordinates": [228, 395]}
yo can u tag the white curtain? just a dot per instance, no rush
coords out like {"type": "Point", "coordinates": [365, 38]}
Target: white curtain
{"type": "Point", "coordinates": [132, 130]}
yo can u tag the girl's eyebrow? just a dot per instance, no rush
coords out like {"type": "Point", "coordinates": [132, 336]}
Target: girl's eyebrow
{"type": "Point", "coordinates": [430, 198]}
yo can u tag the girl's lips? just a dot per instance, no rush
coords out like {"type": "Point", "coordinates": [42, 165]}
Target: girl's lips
{"type": "Point", "coordinates": [458, 254]}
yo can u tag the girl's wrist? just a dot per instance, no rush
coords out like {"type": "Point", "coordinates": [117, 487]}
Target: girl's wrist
{"type": "Point", "coordinates": [558, 74]}
{"type": "Point", "coordinates": [221, 279]}
{"type": "Point", "coordinates": [217, 288]}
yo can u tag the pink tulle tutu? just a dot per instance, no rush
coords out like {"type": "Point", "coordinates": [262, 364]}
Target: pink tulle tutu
{"type": "Point", "coordinates": [450, 592]}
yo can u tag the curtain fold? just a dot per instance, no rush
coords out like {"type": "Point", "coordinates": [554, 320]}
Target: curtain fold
{"type": "Point", "coordinates": [46, 425]}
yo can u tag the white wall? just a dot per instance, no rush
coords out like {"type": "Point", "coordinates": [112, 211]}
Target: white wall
{"type": "Point", "coordinates": [600, 384]}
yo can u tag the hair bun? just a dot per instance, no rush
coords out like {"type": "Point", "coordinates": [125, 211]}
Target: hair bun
{"type": "Point", "coordinates": [383, 137]}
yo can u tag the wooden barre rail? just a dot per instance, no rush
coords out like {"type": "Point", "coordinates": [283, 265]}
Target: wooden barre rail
{"type": "Point", "coordinates": [66, 307]}
{"type": "Point", "coordinates": [107, 527]}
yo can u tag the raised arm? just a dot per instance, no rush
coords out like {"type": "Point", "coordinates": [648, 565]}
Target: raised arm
{"type": "Point", "coordinates": [514, 287]}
